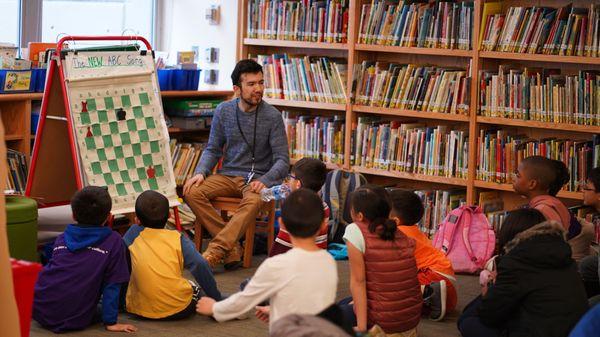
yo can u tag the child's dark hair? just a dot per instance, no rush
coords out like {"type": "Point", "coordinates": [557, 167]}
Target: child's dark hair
{"type": "Point", "coordinates": [302, 213]}
{"type": "Point", "coordinates": [407, 206]}
{"type": "Point", "coordinates": [91, 205]}
{"type": "Point", "coordinates": [594, 178]}
{"type": "Point", "coordinates": [374, 203]}
{"type": "Point", "coordinates": [152, 209]}
{"type": "Point", "coordinates": [311, 172]}
{"type": "Point", "coordinates": [246, 66]}
{"type": "Point", "coordinates": [551, 174]}
{"type": "Point", "coordinates": [517, 221]}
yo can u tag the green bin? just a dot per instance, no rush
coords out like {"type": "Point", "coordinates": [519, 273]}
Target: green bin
{"type": "Point", "coordinates": [21, 224]}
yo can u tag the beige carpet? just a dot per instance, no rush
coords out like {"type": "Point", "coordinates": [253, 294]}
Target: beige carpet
{"type": "Point", "coordinates": [228, 282]}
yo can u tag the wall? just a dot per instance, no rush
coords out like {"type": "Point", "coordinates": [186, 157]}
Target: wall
{"type": "Point", "coordinates": [183, 25]}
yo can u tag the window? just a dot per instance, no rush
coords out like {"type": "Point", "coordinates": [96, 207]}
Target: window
{"type": "Point", "coordinates": [9, 23]}
{"type": "Point", "coordinates": [97, 17]}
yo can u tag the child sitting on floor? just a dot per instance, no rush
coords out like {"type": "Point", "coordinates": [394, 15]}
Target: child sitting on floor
{"type": "Point", "coordinates": [383, 271]}
{"type": "Point", "coordinates": [435, 271]}
{"type": "Point", "coordinates": [300, 281]}
{"type": "Point", "coordinates": [157, 288]}
{"type": "Point", "coordinates": [539, 179]}
{"type": "Point", "coordinates": [88, 263]}
{"type": "Point", "coordinates": [536, 291]}
{"type": "Point", "coordinates": [588, 268]}
{"type": "Point", "coordinates": [308, 173]}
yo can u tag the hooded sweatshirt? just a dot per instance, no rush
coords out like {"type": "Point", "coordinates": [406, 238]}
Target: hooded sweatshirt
{"type": "Point", "coordinates": [538, 291]}
{"type": "Point", "coordinates": [87, 263]}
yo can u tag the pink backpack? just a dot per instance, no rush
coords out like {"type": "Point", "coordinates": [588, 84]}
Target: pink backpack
{"type": "Point", "coordinates": [467, 239]}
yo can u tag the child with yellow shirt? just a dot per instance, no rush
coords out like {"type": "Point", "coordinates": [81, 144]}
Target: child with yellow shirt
{"type": "Point", "coordinates": [435, 272]}
{"type": "Point", "coordinates": [157, 288]}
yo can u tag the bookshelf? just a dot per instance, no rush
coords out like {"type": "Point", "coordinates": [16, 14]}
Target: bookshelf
{"type": "Point", "coordinates": [478, 60]}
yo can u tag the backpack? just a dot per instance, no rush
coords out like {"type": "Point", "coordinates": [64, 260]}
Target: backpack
{"type": "Point", "coordinates": [467, 239]}
{"type": "Point", "coordinates": [336, 194]}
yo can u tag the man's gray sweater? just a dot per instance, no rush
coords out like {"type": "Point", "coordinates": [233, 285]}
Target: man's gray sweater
{"type": "Point", "coordinates": [271, 151]}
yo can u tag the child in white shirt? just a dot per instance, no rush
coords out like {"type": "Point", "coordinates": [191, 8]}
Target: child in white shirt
{"type": "Point", "coordinates": [300, 281]}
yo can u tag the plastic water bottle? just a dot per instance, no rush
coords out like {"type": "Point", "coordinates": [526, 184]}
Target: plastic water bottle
{"type": "Point", "coordinates": [277, 192]}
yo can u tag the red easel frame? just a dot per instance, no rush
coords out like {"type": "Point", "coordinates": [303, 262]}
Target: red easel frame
{"type": "Point", "coordinates": [52, 67]}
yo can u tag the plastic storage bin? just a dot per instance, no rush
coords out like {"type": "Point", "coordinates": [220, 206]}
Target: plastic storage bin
{"type": "Point", "coordinates": [178, 79]}
{"type": "Point", "coordinates": [21, 224]}
{"type": "Point", "coordinates": [24, 276]}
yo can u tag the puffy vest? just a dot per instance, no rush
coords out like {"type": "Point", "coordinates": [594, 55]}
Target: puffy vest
{"type": "Point", "coordinates": [394, 297]}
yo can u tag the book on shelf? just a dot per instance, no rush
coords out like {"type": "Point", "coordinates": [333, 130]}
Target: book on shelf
{"type": "Point", "coordinates": [185, 158]}
{"type": "Point", "coordinates": [429, 24]}
{"type": "Point", "coordinates": [318, 137]}
{"type": "Point", "coordinates": [499, 155]}
{"type": "Point", "coordinates": [437, 204]}
{"type": "Point", "coordinates": [304, 78]}
{"type": "Point", "coordinates": [411, 87]}
{"type": "Point", "coordinates": [541, 94]}
{"type": "Point", "coordinates": [411, 147]}
{"type": "Point", "coordinates": [496, 219]}
{"type": "Point", "coordinates": [307, 20]}
{"type": "Point", "coordinates": [17, 170]}
{"type": "Point", "coordinates": [567, 30]}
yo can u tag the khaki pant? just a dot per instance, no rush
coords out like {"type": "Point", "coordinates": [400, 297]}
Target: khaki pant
{"type": "Point", "coordinates": [225, 236]}
{"type": "Point", "coordinates": [9, 316]}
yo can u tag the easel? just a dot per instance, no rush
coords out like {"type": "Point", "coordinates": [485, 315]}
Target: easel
{"type": "Point", "coordinates": [55, 173]}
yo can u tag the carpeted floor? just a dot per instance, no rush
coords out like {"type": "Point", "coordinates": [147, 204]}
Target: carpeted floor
{"type": "Point", "coordinates": [229, 282]}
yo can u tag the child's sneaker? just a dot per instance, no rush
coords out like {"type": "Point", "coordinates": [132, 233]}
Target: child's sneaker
{"type": "Point", "coordinates": [436, 301]}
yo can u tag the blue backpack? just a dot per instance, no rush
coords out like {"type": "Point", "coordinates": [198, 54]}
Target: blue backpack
{"type": "Point", "coordinates": [336, 193]}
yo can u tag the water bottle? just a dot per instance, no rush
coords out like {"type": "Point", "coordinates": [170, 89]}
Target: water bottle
{"type": "Point", "coordinates": [277, 192]}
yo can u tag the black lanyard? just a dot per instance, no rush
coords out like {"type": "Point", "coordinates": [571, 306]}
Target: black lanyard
{"type": "Point", "coordinates": [253, 147]}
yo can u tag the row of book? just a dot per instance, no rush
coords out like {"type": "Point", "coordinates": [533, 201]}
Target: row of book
{"type": "Point", "coordinates": [16, 179]}
{"type": "Point", "coordinates": [412, 87]}
{"type": "Point", "coordinates": [307, 20]}
{"type": "Point", "coordinates": [315, 137]}
{"type": "Point", "coordinates": [541, 30]}
{"type": "Point", "coordinates": [541, 95]}
{"type": "Point", "coordinates": [433, 24]}
{"type": "Point", "coordinates": [500, 153]}
{"type": "Point", "coordinates": [185, 157]}
{"type": "Point", "coordinates": [304, 78]}
{"type": "Point", "coordinates": [437, 204]}
{"type": "Point", "coordinates": [411, 147]}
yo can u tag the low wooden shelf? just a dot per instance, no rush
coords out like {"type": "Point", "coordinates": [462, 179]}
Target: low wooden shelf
{"type": "Point", "coordinates": [306, 104]}
{"type": "Point", "coordinates": [509, 188]}
{"type": "Point", "coordinates": [538, 124]}
{"type": "Point", "coordinates": [539, 57]}
{"type": "Point", "coordinates": [411, 176]}
{"type": "Point", "coordinates": [409, 113]}
{"type": "Point", "coordinates": [414, 50]}
{"type": "Point", "coordinates": [294, 44]}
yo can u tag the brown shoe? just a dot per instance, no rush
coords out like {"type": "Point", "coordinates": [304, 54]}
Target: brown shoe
{"type": "Point", "coordinates": [233, 259]}
{"type": "Point", "coordinates": [212, 258]}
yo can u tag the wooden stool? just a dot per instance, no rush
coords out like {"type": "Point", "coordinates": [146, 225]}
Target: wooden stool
{"type": "Point", "coordinates": [226, 205]}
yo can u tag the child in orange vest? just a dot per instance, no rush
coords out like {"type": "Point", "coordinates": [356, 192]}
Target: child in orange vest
{"type": "Point", "coordinates": [435, 272]}
{"type": "Point", "coordinates": [383, 272]}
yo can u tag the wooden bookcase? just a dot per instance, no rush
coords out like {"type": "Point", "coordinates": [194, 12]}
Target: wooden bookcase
{"type": "Point", "coordinates": [355, 53]}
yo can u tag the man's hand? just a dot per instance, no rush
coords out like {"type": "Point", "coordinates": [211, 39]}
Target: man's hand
{"type": "Point", "coordinates": [256, 186]}
{"type": "Point", "coordinates": [121, 328]}
{"type": "Point", "coordinates": [205, 306]}
{"type": "Point", "coordinates": [262, 313]}
{"type": "Point", "coordinates": [196, 180]}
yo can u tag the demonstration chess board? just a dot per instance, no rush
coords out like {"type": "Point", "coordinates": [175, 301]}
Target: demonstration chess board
{"type": "Point", "coordinates": [122, 140]}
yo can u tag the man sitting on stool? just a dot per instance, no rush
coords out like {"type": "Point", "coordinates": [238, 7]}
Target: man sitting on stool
{"type": "Point", "coordinates": [250, 136]}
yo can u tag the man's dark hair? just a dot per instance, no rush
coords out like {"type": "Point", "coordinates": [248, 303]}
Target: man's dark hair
{"type": "Point", "coordinates": [311, 172]}
{"type": "Point", "coordinates": [407, 206]}
{"type": "Point", "coordinates": [594, 178]}
{"type": "Point", "coordinates": [302, 213]}
{"type": "Point", "coordinates": [152, 209]}
{"type": "Point", "coordinates": [246, 66]}
{"type": "Point", "coordinates": [91, 205]}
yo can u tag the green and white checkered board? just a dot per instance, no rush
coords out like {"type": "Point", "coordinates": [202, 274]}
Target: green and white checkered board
{"type": "Point", "coordinates": [123, 141]}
